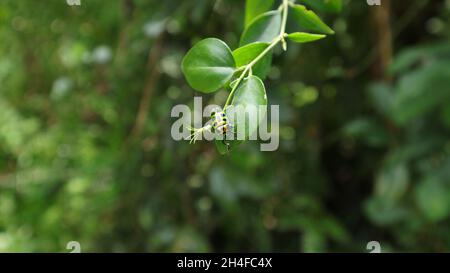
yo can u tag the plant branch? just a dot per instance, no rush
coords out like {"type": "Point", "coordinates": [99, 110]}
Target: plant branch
{"type": "Point", "coordinates": [283, 23]}
{"type": "Point", "coordinates": [248, 67]}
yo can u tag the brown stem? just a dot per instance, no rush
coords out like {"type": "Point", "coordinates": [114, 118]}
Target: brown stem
{"type": "Point", "coordinates": [127, 22]}
{"type": "Point", "coordinates": [154, 73]}
{"type": "Point", "coordinates": [382, 20]}
{"type": "Point", "coordinates": [399, 26]}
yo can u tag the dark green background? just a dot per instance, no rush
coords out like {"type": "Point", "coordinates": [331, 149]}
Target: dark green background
{"type": "Point", "coordinates": [86, 152]}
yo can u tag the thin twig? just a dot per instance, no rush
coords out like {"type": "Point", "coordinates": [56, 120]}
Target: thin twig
{"type": "Point", "coordinates": [149, 87]}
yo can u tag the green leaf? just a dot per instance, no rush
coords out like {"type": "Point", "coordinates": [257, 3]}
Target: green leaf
{"type": "Point", "coordinates": [411, 56]}
{"type": "Point", "coordinates": [263, 28]}
{"type": "Point", "coordinates": [432, 198]}
{"type": "Point", "coordinates": [385, 212]}
{"type": "Point", "coordinates": [366, 130]}
{"type": "Point", "coordinates": [381, 97]}
{"type": "Point", "coordinates": [421, 91]}
{"type": "Point", "coordinates": [332, 6]}
{"type": "Point", "coordinates": [309, 20]}
{"type": "Point", "coordinates": [208, 65]}
{"type": "Point", "coordinates": [244, 55]}
{"type": "Point", "coordinates": [250, 94]}
{"type": "Point", "coordinates": [253, 8]}
{"type": "Point", "coordinates": [392, 182]}
{"type": "Point", "coordinates": [303, 37]}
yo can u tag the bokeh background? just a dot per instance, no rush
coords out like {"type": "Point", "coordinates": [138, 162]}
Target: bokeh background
{"type": "Point", "coordinates": [86, 152]}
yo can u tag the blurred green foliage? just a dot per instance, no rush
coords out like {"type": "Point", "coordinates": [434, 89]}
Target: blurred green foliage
{"type": "Point", "coordinates": [86, 152]}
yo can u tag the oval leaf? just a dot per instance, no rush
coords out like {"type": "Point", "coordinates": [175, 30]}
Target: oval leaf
{"type": "Point", "coordinates": [208, 65]}
{"type": "Point", "coordinates": [249, 96]}
{"type": "Point", "coordinates": [263, 28]}
{"type": "Point", "coordinates": [432, 199]}
{"type": "Point", "coordinates": [244, 55]}
{"type": "Point", "coordinates": [309, 20]}
{"type": "Point", "coordinates": [253, 8]}
{"type": "Point", "coordinates": [303, 37]}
